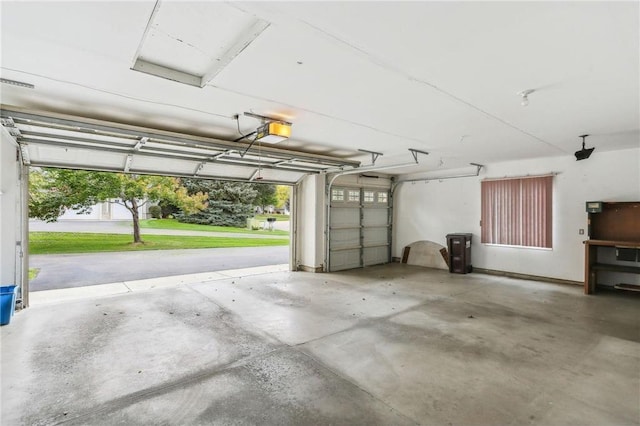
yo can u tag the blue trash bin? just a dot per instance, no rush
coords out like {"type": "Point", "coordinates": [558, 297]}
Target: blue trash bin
{"type": "Point", "coordinates": [7, 303]}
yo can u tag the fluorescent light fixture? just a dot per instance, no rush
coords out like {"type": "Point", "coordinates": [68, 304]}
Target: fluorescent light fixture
{"type": "Point", "coordinates": [273, 132]}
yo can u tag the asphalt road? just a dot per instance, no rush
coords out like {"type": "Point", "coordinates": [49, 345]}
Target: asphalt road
{"type": "Point", "coordinates": [78, 270]}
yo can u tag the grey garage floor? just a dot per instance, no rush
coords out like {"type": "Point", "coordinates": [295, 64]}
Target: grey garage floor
{"type": "Point", "coordinates": [388, 345]}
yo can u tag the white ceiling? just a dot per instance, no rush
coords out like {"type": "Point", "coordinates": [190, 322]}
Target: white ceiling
{"type": "Point", "coordinates": [384, 76]}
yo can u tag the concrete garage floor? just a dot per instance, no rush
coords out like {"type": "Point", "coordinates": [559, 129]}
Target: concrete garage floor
{"type": "Point", "coordinates": [388, 345]}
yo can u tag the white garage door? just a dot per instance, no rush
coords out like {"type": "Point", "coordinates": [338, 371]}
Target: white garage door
{"type": "Point", "coordinates": [55, 140]}
{"type": "Point", "coordinates": [359, 226]}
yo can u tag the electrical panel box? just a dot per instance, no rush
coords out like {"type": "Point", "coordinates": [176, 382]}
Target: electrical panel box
{"type": "Point", "coordinates": [594, 206]}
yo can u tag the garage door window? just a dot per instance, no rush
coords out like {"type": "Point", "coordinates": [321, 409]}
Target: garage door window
{"type": "Point", "coordinates": [354, 195]}
{"type": "Point", "coordinates": [337, 195]}
{"type": "Point", "coordinates": [369, 196]}
{"type": "Point", "coordinates": [382, 197]}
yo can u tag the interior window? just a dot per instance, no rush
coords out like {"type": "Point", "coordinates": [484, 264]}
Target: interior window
{"type": "Point", "coordinates": [517, 212]}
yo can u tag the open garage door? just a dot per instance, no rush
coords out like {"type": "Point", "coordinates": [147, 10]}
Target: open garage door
{"type": "Point", "coordinates": [52, 140]}
{"type": "Point", "coordinates": [62, 141]}
{"type": "Point", "coordinates": [359, 226]}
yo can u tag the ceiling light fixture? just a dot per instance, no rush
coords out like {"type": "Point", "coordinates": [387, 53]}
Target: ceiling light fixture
{"type": "Point", "coordinates": [273, 132]}
{"type": "Point", "coordinates": [525, 96]}
{"type": "Point", "coordinates": [584, 153]}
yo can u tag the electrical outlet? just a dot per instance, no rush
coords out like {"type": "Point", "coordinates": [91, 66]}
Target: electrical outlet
{"type": "Point", "coordinates": [581, 231]}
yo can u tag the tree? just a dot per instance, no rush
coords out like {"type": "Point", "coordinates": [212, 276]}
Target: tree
{"type": "Point", "coordinates": [266, 195]}
{"type": "Point", "coordinates": [53, 191]}
{"type": "Point", "coordinates": [283, 195]}
{"type": "Point", "coordinates": [230, 203]}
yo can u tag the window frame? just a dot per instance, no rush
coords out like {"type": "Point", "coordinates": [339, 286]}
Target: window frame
{"type": "Point", "coordinates": [350, 193]}
{"type": "Point", "coordinates": [337, 195]}
{"type": "Point", "coordinates": [517, 212]}
{"type": "Point", "coordinates": [382, 194]}
{"type": "Point", "coordinates": [365, 195]}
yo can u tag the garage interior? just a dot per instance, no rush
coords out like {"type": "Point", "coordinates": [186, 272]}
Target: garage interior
{"type": "Point", "coordinates": [389, 120]}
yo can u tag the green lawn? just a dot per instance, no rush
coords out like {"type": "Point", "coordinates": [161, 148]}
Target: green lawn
{"type": "Point", "coordinates": [33, 273]}
{"type": "Point", "coordinates": [70, 242]}
{"type": "Point", "coordinates": [174, 224]}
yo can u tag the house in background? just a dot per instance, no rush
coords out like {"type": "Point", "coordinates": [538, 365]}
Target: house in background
{"type": "Point", "coordinates": [105, 211]}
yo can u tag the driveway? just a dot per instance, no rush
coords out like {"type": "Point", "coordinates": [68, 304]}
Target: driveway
{"type": "Point", "coordinates": [78, 270]}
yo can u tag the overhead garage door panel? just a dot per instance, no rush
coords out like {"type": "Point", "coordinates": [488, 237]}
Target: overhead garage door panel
{"type": "Point", "coordinates": [359, 228]}
{"type": "Point", "coordinates": [215, 169]}
{"type": "Point", "coordinates": [278, 175]}
{"type": "Point", "coordinates": [375, 255]}
{"type": "Point", "coordinates": [141, 163]}
{"type": "Point", "coordinates": [344, 229]}
{"type": "Point", "coordinates": [56, 140]}
{"type": "Point", "coordinates": [374, 216]}
{"type": "Point", "coordinates": [345, 259]}
{"type": "Point", "coordinates": [375, 236]}
{"type": "Point", "coordinates": [343, 216]}
{"type": "Point", "coordinates": [61, 156]}
{"type": "Point", "coordinates": [345, 238]}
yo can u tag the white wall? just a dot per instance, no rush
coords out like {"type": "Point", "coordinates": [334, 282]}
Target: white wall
{"type": "Point", "coordinates": [104, 211]}
{"type": "Point", "coordinates": [9, 209]}
{"type": "Point", "coordinates": [429, 211]}
{"type": "Point", "coordinates": [310, 222]}
{"type": "Point", "coordinates": [72, 214]}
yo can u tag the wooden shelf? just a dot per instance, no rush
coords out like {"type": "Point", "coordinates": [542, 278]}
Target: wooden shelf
{"type": "Point", "coordinates": [616, 226]}
{"type": "Point", "coordinates": [607, 243]}
{"type": "Point", "coordinates": [616, 268]}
